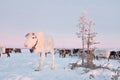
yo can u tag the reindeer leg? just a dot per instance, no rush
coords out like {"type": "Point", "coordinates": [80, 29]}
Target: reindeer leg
{"type": "Point", "coordinates": [38, 62]}
{"type": "Point", "coordinates": [53, 59]}
{"type": "Point", "coordinates": [41, 60]}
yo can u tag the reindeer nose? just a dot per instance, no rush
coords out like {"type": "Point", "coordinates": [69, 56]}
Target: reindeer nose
{"type": "Point", "coordinates": [26, 45]}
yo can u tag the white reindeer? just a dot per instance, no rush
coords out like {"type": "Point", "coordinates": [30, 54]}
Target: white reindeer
{"type": "Point", "coordinates": [102, 53]}
{"type": "Point", "coordinates": [2, 50]}
{"type": "Point", "coordinates": [40, 43]}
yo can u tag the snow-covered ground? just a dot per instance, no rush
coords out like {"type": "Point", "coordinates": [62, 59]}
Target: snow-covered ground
{"type": "Point", "coordinates": [21, 66]}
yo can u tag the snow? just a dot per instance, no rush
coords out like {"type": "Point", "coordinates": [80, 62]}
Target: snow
{"type": "Point", "coordinates": [21, 66]}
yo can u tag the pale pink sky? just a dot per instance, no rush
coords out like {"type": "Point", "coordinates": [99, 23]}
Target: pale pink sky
{"type": "Point", "coordinates": [59, 18]}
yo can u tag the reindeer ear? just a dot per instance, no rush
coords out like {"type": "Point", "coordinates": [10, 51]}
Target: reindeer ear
{"type": "Point", "coordinates": [33, 33]}
{"type": "Point", "coordinates": [26, 34]}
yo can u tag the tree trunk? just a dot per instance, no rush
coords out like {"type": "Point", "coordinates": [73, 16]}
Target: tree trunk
{"type": "Point", "coordinates": [90, 57]}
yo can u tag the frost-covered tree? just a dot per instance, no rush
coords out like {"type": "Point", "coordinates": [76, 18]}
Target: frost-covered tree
{"type": "Point", "coordinates": [89, 42]}
{"type": "Point", "coordinates": [82, 33]}
{"type": "Point", "coordinates": [87, 35]}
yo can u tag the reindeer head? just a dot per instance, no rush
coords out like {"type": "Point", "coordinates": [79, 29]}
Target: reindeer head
{"type": "Point", "coordinates": [31, 40]}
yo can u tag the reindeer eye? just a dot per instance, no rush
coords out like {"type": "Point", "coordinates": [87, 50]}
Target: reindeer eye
{"type": "Point", "coordinates": [33, 37]}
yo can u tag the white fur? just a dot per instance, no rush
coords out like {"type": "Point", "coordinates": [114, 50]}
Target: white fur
{"type": "Point", "coordinates": [2, 50]}
{"type": "Point", "coordinates": [44, 44]}
{"type": "Point", "coordinates": [102, 53]}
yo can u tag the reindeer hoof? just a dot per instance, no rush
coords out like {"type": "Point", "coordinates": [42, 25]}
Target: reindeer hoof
{"type": "Point", "coordinates": [37, 70]}
{"type": "Point", "coordinates": [53, 67]}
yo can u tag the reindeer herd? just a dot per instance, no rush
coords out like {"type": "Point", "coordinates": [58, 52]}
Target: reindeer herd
{"type": "Point", "coordinates": [8, 51]}
{"type": "Point", "coordinates": [63, 53]}
{"type": "Point", "coordinates": [98, 53]}
{"type": "Point", "coordinates": [42, 44]}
